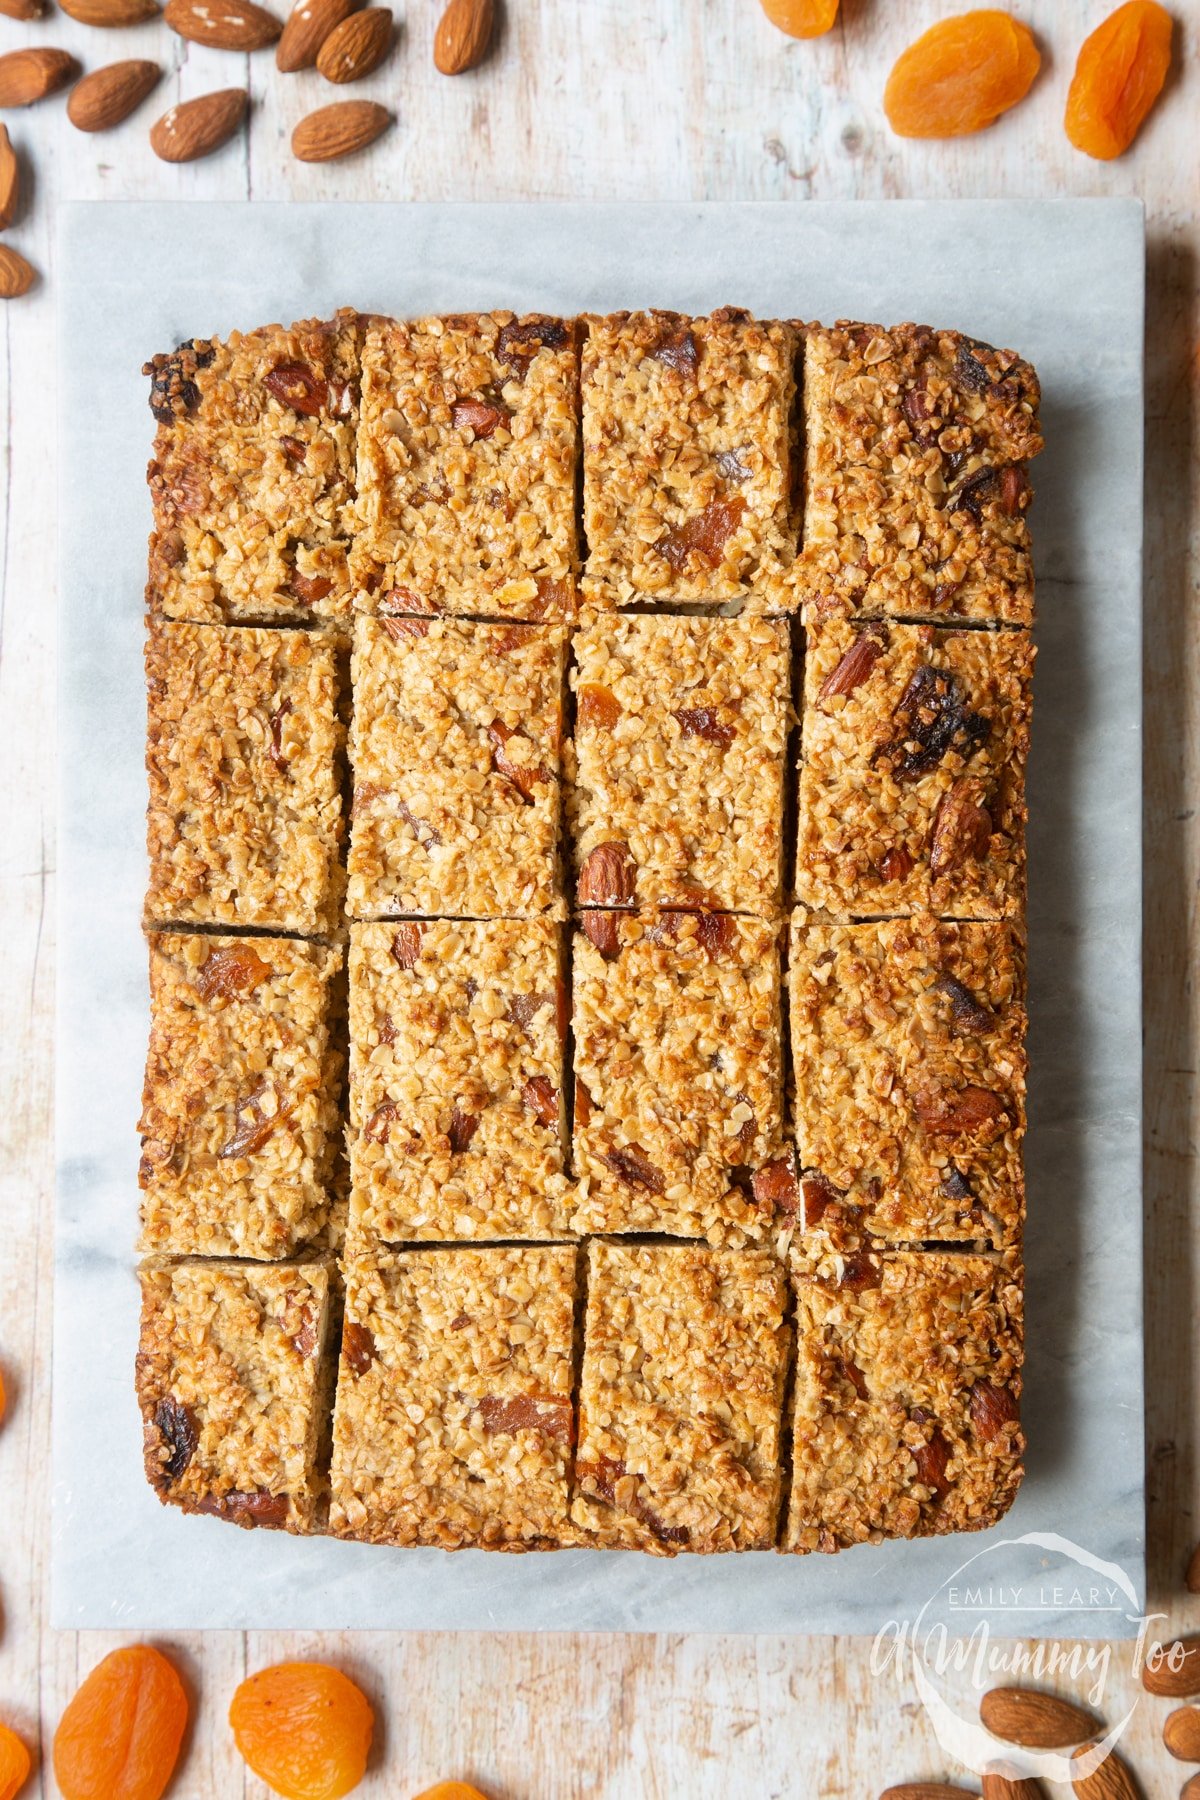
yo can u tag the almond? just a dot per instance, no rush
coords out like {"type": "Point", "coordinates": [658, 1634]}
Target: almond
{"type": "Point", "coordinates": [198, 127]}
{"type": "Point", "coordinates": [357, 46]}
{"type": "Point", "coordinates": [1004, 1783]}
{"type": "Point", "coordinates": [1181, 1733]}
{"type": "Point", "coordinates": [111, 12]}
{"type": "Point", "coordinates": [106, 96]}
{"type": "Point", "coordinates": [309, 24]}
{"type": "Point", "coordinates": [10, 180]}
{"type": "Point", "coordinates": [29, 75]}
{"type": "Point", "coordinates": [1111, 1781]}
{"type": "Point", "coordinates": [339, 130]}
{"type": "Point", "coordinates": [1178, 1683]}
{"type": "Point", "coordinates": [1190, 1789]}
{"type": "Point", "coordinates": [225, 24]}
{"type": "Point", "coordinates": [463, 35]}
{"type": "Point", "coordinates": [16, 275]}
{"type": "Point", "coordinates": [1037, 1721]}
{"type": "Point", "coordinates": [1192, 1578]}
{"type": "Point", "coordinates": [22, 9]}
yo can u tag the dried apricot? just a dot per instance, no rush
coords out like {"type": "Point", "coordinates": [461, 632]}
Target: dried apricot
{"type": "Point", "coordinates": [451, 1790]}
{"type": "Point", "coordinates": [14, 1764]}
{"type": "Point", "coordinates": [1118, 77]}
{"type": "Point", "coordinates": [304, 1728]}
{"type": "Point", "coordinates": [960, 75]}
{"type": "Point", "coordinates": [119, 1737]}
{"type": "Point", "coordinates": [802, 18]}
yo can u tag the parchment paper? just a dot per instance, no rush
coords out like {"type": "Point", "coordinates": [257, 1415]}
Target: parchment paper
{"type": "Point", "coordinates": [1060, 281]}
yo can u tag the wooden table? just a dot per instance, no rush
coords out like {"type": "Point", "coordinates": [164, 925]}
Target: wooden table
{"type": "Point", "coordinates": [597, 99]}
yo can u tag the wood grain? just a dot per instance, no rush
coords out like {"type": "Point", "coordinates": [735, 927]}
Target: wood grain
{"type": "Point", "coordinates": [659, 99]}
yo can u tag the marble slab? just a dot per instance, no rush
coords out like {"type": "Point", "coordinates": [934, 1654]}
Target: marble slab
{"type": "Point", "coordinates": [1062, 282]}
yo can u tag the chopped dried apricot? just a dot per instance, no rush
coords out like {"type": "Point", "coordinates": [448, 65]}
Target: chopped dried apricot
{"type": "Point", "coordinates": [1119, 76]}
{"type": "Point", "coordinates": [960, 75]}
{"type": "Point", "coordinates": [119, 1736]}
{"type": "Point", "coordinates": [304, 1728]}
{"type": "Point", "coordinates": [802, 18]}
{"type": "Point", "coordinates": [14, 1764]}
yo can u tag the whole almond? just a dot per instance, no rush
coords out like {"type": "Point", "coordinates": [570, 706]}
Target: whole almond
{"type": "Point", "coordinates": [198, 127]}
{"type": "Point", "coordinates": [1038, 1721]}
{"type": "Point", "coordinates": [463, 35]}
{"type": "Point", "coordinates": [1192, 1577]}
{"type": "Point", "coordinates": [1111, 1781]}
{"type": "Point", "coordinates": [106, 96]}
{"type": "Point", "coordinates": [22, 9]}
{"type": "Point", "coordinates": [1190, 1789]}
{"type": "Point", "coordinates": [309, 24]}
{"type": "Point", "coordinates": [10, 180]}
{"type": "Point", "coordinates": [1179, 1683]}
{"type": "Point", "coordinates": [111, 12]}
{"type": "Point", "coordinates": [1181, 1733]}
{"type": "Point", "coordinates": [357, 46]}
{"type": "Point", "coordinates": [29, 75]}
{"type": "Point", "coordinates": [225, 24]}
{"type": "Point", "coordinates": [16, 275]}
{"type": "Point", "coordinates": [1005, 1784]}
{"type": "Point", "coordinates": [339, 130]}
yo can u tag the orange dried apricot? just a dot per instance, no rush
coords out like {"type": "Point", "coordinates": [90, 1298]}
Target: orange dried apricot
{"type": "Point", "coordinates": [802, 18]}
{"type": "Point", "coordinates": [1118, 77]}
{"type": "Point", "coordinates": [14, 1764]}
{"type": "Point", "coordinates": [960, 75]}
{"type": "Point", "coordinates": [119, 1737]}
{"type": "Point", "coordinates": [304, 1728]}
{"type": "Point", "coordinates": [451, 1790]}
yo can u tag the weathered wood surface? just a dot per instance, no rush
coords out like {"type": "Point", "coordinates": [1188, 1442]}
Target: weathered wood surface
{"type": "Point", "coordinates": [595, 99]}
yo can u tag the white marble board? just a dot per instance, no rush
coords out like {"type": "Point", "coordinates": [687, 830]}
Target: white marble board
{"type": "Point", "coordinates": [1062, 282]}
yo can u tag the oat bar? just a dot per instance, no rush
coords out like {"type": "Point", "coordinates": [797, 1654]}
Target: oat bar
{"type": "Point", "coordinates": [456, 1075]}
{"type": "Point", "coordinates": [240, 1117]}
{"type": "Point", "coordinates": [687, 455]}
{"type": "Point", "coordinates": [678, 1074]}
{"type": "Point", "coordinates": [454, 1422]}
{"type": "Point", "coordinates": [456, 747]}
{"type": "Point", "coordinates": [907, 1395]}
{"type": "Point", "coordinates": [916, 483]}
{"type": "Point", "coordinates": [684, 1361]}
{"type": "Point", "coordinates": [912, 778]}
{"type": "Point", "coordinates": [681, 728]}
{"type": "Point", "coordinates": [253, 474]}
{"type": "Point", "coordinates": [908, 1055]}
{"type": "Point", "coordinates": [467, 454]}
{"type": "Point", "coordinates": [234, 1386]}
{"type": "Point", "coordinates": [244, 765]}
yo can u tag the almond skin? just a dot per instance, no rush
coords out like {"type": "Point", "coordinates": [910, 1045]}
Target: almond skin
{"type": "Point", "coordinates": [357, 46]}
{"type": "Point", "coordinates": [339, 130]}
{"type": "Point", "coordinates": [309, 24]}
{"type": "Point", "coordinates": [29, 75]}
{"type": "Point", "coordinates": [198, 127]}
{"type": "Point", "coordinates": [111, 12]}
{"type": "Point", "coordinates": [1175, 1684]}
{"type": "Point", "coordinates": [10, 180]}
{"type": "Point", "coordinates": [1035, 1720]}
{"type": "Point", "coordinates": [106, 96]}
{"type": "Point", "coordinates": [22, 9]}
{"type": "Point", "coordinates": [225, 24]}
{"type": "Point", "coordinates": [1111, 1781]}
{"type": "Point", "coordinates": [463, 35]}
{"type": "Point", "coordinates": [1181, 1733]}
{"type": "Point", "coordinates": [16, 275]}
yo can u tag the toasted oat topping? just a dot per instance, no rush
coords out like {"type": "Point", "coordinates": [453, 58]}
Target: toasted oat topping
{"type": "Point", "coordinates": [680, 737]}
{"type": "Point", "coordinates": [912, 778]}
{"type": "Point", "coordinates": [456, 748]}
{"type": "Point", "coordinates": [244, 766]}
{"type": "Point", "coordinates": [454, 1423]}
{"type": "Point", "coordinates": [253, 475]}
{"type": "Point", "coordinates": [916, 483]}
{"type": "Point", "coordinates": [233, 1386]}
{"type": "Point", "coordinates": [905, 1419]}
{"type": "Point", "coordinates": [685, 1353]}
{"type": "Point", "coordinates": [456, 1076]}
{"type": "Point", "coordinates": [467, 450]}
{"type": "Point", "coordinates": [687, 455]}
{"type": "Point", "coordinates": [240, 1110]}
